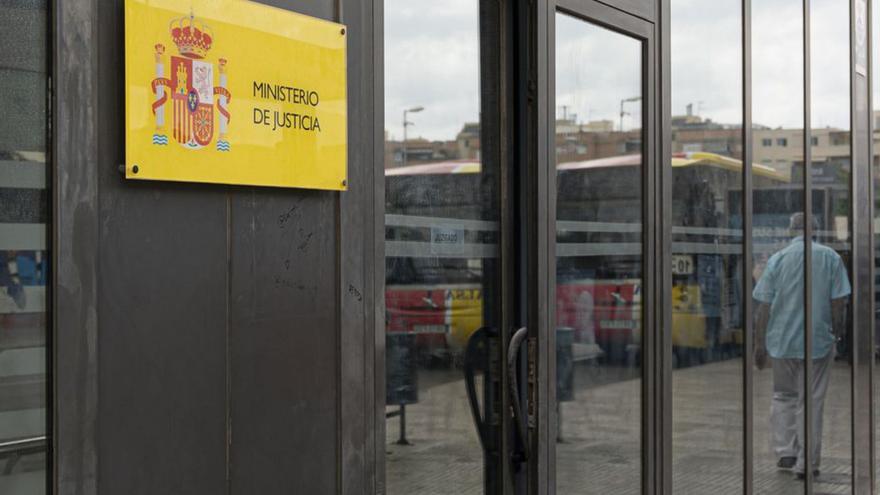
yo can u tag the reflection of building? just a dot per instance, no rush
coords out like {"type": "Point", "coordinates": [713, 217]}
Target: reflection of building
{"type": "Point", "coordinates": [595, 139]}
{"type": "Point", "coordinates": [419, 150]}
{"type": "Point", "coordinates": [781, 148]}
{"type": "Point", "coordinates": [691, 133]}
{"type": "Point", "coordinates": [468, 141]}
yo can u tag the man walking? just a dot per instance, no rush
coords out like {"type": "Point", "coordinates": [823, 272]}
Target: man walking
{"type": "Point", "coordinates": [780, 334]}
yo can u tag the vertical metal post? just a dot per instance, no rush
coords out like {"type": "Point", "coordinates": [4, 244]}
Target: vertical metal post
{"type": "Point", "coordinates": [401, 439]}
{"type": "Point", "coordinates": [872, 454]}
{"type": "Point", "coordinates": [655, 267]}
{"type": "Point", "coordinates": [75, 157]}
{"type": "Point", "coordinates": [52, 183]}
{"type": "Point", "coordinates": [808, 258]}
{"type": "Point", "coordinates": [663, 303]}
{"type": "Point", "coordinates": [559, 437]}
{"type": "Point", "coordinates": [747, 252]}
{"type": "Point", "coordinates": [544, 30]}
{"type": "Point", "coordinates": [539, 158]}
{"type": "Point", "coordinates": [403, 149]}
{"type": "Point", "coordinates": [862, 212]}
{"type": "Point", "coordinates": [660, 373]}
{"type": "Point", "coordinates": [499, 301]}
{"type": "Point", "coordinates": [376, 328]}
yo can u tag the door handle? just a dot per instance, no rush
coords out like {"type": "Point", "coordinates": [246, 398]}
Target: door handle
{"type": "Point", "coordinates": [475, 358]}
{"type": "Point", "coordinates": [513, 388]}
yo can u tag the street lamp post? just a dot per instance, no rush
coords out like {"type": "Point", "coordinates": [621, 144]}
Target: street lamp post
{"type": "Point", "coordinates": [406, 124]}
{"type": "Point", "coordinates": [622, 112]}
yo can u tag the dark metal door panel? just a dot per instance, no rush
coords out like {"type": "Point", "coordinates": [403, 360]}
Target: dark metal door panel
{"type": "Point", "coordinates": [162, 341]}
{"type": "Point", "coordinates": [282, 342]}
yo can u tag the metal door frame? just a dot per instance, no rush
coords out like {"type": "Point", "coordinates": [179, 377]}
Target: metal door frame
{"type": "Point", "coordinates": [654, 216]}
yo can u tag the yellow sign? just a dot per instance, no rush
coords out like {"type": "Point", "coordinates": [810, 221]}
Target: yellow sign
{"type": "Point", "coordinates": [234, 92]}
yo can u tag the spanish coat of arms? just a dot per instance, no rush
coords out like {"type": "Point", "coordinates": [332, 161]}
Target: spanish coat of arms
{"type": "Point", "coordinates": [191, 87]}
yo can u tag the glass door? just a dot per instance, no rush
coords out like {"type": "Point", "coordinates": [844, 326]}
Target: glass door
{"type": "Point", "coordinates": [472, 221]}
{"type": "Point", "coordinates": [601, 342]}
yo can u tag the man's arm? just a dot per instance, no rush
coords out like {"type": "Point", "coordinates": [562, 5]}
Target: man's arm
{"type": "Point", "coordinates": [763, 317]}
{"type": "Point", "coordinates": [838, 317]}
{"type": "Point", "coordinates": [764, 293]}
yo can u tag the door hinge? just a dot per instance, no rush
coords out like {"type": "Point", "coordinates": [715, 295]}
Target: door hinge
{"type": "Point", "coordinates": [533, 381]}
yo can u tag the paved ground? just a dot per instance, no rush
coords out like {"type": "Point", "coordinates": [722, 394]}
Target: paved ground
{"type": "Point", "coordinates": [600, 449]}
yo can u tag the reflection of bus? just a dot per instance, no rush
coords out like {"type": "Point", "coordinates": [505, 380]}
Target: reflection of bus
{"type": "Point", "coordinates": [23, 322]}
{"type": "Point", "coordinates": [23, 277]}
{"type": "Point", "coordinates": [441, 237]}
{"type": "Point", "coordinates": [439, 246]}
{"type": "Point", "coordinates": [442, 316]}
{"type": "Point", "coordinates": [706, 243]}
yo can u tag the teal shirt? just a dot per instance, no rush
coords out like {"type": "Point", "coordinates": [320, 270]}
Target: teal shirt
{"type": "Point", "coordinates": [782, 287]}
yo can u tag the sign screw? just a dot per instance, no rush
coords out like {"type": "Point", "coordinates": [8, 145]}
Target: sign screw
{"type": "Point", "coordinates": [342, 31]}
{"type": "Point", "coordinates": [344, 183]}
{"type": "Point", "coordinates": [134, 169]}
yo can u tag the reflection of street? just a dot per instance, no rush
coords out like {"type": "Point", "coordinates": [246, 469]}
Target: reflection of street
{"type": "Point", "coordinates": [22, 396]}
{"type": "Point", "coordinates": [28, 477]}
{"type": "Point", "coordinates": [445, 456]}
{"type": "Point", "coordinates": [709, 411]}
{"type": "Point", "coordinates": [596, 453]}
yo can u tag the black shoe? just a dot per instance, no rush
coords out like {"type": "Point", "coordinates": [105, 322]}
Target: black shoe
{"type": "Point", "coordinates": [803, 476]}
{"type": "Point", "coordinates": [786, 462]}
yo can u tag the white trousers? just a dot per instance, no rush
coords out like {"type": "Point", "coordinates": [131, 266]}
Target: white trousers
{"type": "Point", "coordinates": [787, 409]}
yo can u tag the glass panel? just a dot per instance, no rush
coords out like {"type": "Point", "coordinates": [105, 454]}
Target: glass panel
{"type": "Point", "coordinates": [831, 428]}
{"type": "Point", "coordinates": [598, 258]}
{"type": "Point", "coordinates": [707, 260]}
{"type": "Point", "coordinates": [24, 212]}
{"type": "Point", "coordinates": [441, 235]}
{"type": "Point", "coordinates": [778, 271]}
